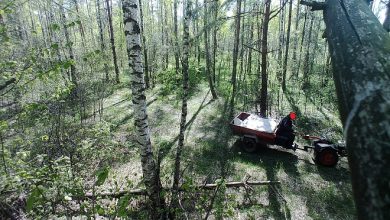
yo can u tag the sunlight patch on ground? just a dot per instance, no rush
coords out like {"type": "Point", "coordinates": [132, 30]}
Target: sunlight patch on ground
{"type": "Point", "coordinates": [210, 151]}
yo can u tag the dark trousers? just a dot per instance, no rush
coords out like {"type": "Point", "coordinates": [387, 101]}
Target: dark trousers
{"type": "Point", "coordinates": [285, 139]}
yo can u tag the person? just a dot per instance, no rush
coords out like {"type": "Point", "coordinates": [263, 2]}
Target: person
{"type": "Point", "coordinates": [285, 133]}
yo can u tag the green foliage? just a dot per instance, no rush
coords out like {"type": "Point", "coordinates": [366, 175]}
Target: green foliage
{"type": "Point", "coordinates": [101, 175]}
{"type": "Point", "coordinates": [122, 206]}
{"type": "Point", "coordinates": [56, 134]}
{"type": "Point", "coordinates": [172, 83]}
{"type": "Point", "coordinates": [34, 197]}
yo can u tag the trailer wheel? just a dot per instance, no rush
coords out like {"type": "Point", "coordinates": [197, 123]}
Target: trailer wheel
{"type": "Point", "coordinates": [327, 157]}
{"type": "Point", "coordinates": [248, 145]}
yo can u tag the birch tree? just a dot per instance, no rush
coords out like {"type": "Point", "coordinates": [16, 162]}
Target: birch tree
{"type": "Point", "coordinates": [183, 119]}
{"type": "Point", "coordinates": [151, 179]}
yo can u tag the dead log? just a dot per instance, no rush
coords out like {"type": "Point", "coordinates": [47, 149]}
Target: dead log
{"type": "Point", "coordinates": [140, 192]}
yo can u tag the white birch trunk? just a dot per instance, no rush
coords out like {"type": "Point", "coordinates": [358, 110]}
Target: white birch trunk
{"type": "Point", "coordinates": [151, 179]}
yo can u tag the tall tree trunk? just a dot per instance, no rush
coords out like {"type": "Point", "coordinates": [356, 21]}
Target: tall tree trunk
{"type": "Point", "coordinates": [134, 50]}
{"type": "Point", "coordinates": [162, 33]}
{"type": "Point", "coordinates": [295, 45]}
{"type": "Point", "coordinates": [69, 44]}
{"type": "Point", "coordinates": [241, 52]}
{"type": "Point", "coordinates": [175, 27]}
{"type": "Point", "coordinates": [287, 47]}
{"type": "Point", "coordinates": [235, 55]}
{"type": "Point", "coordinates": [281, 38]}
{"type": "Point", "coordinates": [208, 60]}
{"type": "Point", "coordinates": [301, 46]}
{"type": "Point", "coordinates": [166, 36]}
{"type": "Point", "coordinates": [198, 53]}
{"type": "Point", "coordinates": [249, 59]}
{"type": "Point", "coordinates": [215, 31]}
{"type": "Point", "coordinates": [102, 43]}
{"type": "Point", "coordinates": [259, 26]}
{"type": "Point", "coordinates": [146, 64]}
{"type": "Point", "coordinates": [306, 63]}
{"type": "Point", "coordinates": [360, 49]}
{"type": "Point", "coordinates": [183, 119]}
{"type": "Point", "coordinates": [264, 52]}
{"type": "Point", "coordinates": [80, 24]}
{"type": "Point", "coordinates": [112, 40]}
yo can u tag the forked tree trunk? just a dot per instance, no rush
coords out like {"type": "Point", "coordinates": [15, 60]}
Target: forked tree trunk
{"type": "Point", "coordinates": [208, 59]}
{"type": "Point", "coordinates": [134, 50]}
{"type": "Point", "coordinates": [360, 50]}
{"type": "Point", "coordinates": [112, 40]}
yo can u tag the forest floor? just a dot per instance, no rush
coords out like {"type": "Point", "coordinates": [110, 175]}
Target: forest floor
{"type": "Point", "coordinates": [211, 152]}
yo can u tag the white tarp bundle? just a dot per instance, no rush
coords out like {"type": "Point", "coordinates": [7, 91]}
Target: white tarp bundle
{"type": "Point", "coordinates": [255, 122]}
{"type": "Point", "coordinates": [379, 8]}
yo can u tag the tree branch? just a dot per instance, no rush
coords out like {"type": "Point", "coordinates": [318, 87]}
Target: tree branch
{"type": "Point", "coordinates": [7, 83]}
{"type": "Point", "coordinates": [315, 6]}
{"type": "Point", "coordinates": [277, 11]}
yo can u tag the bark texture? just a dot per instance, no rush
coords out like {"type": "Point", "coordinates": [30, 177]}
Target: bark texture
{"type": "Point", "coordinates": [134, 50]}
{"type": "Point", "coordinates": [360, 50]}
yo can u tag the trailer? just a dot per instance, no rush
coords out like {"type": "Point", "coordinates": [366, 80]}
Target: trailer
{"type": "Point", "coordinates": [255, 132]}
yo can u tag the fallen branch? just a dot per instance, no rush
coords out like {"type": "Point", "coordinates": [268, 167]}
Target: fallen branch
{"type": "Point", "coordinates": [239, 184]}
{"type": "Point", "coordinates": [199, 187]}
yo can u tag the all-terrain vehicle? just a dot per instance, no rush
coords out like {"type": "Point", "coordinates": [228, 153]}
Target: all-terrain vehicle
{"type": "Point", "coordinates": [255, 131]}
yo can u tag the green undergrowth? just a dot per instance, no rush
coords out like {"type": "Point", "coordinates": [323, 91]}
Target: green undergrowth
{"type": "Point", "coordinates": [211, 153]}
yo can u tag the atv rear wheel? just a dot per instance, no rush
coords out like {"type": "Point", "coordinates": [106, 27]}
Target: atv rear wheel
{"type": "Point", "coordinates": [327, 157]}
{"type": "Point", "coordinates": [248, 145]}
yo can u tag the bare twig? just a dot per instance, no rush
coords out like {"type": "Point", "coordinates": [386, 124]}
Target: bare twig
{"type": "Point", "coordinates": [212, 202]}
